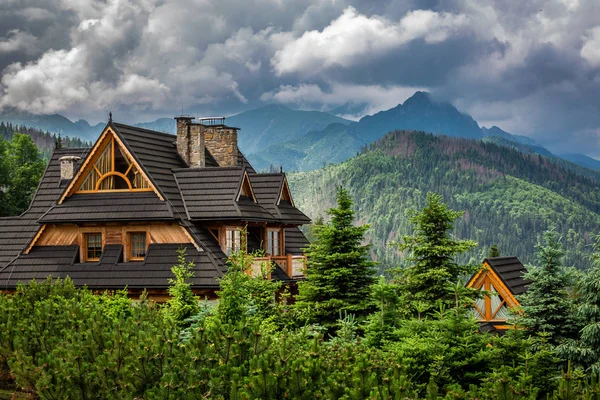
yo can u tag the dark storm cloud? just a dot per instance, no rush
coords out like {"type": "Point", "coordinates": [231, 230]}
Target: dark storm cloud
{"type": "Point", "coordinates": [531, 67]}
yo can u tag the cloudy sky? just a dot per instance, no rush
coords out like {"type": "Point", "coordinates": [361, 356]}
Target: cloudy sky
{"type": "Point", "coordinates": [531, 67]}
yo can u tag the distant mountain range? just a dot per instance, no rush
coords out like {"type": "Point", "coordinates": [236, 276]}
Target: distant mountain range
{"type": "Point", "coordinates": [509, 196]}
{"type": "Point", "coordinates": [53, 123]}
{"type": "Point", "coordinates": [275, 135]}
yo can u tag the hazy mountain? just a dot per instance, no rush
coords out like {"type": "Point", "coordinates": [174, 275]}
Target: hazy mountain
{"type": "Point", "coordinates": [54, 123]}
{"type": "Point", "coordinates": [582, 160]}
{"type": "Point", "coordinates": [350, 110]}
{"type": "Point", "coordinates": [168, 125]}
{"type": "Point", "coordinates": [509, 197]}
{"type": "Point", "coordinates": [273, 124]}
{"type": "Point", "coordinates": [420, 112]}
{"type": "Point", "coordinates": [334, 144]}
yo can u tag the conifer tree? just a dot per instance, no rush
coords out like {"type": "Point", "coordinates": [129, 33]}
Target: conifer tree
{"type": "Point", "coordinates": [494, 251]}
{"type": "Point", "coordinates": [339, 272]}
{"type": "Point", "coordinates": [546, 306]}
{"type": "Point", "coordinates": [586, 350]}
{"type": "Point", "coordinates": [431, 252]}
{"type": "Point", "coordinates": [183, 303]}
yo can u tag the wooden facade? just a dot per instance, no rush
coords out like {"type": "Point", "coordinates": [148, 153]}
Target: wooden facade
{"type": "Point", "coordinates": [502, 280]}
{"type": "Point", "coordinates": [132, 202]}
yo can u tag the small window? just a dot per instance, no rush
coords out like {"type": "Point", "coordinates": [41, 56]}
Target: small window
{"type": "Point", "coordinates": [273, 242]}
{"type": "Point", "coordinates": [137, 245]}
{"type": "Point", "coordinates": [93, 246]}
{"type": "Point", "coordinates": [233, 240]}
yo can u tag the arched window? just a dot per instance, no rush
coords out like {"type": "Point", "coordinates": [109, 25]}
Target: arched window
{"type": "Point", "coordinates": [112, 170]}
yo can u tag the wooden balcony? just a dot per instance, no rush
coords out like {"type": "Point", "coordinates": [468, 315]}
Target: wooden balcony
{"type": "Point", "coordinates": [293, 266]}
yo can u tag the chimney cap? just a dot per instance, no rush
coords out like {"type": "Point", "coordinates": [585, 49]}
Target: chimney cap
{"type": "Point", "coordinates": [69, 158]}
{"type": "Point", "coordinates": [185, 117]}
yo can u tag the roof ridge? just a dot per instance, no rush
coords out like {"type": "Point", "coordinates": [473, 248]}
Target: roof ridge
{"type": "Point", "coordinates": [145, 129]}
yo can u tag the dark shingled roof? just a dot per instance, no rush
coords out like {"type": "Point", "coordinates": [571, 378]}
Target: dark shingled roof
{"type": "Point", "coordinates": [267, 188]}
{"type": "Point", "coordinates": [210, 194]}
{"type": "Point", "coordinates": [17, 232]}
{"type": "Point", "coordinates": [153, 272]}
{"type": "Point", "coordinates": [190, 196]}
{"type": "Point", "coordinates": [511, 271]}
{"type": "Point", "coordinates": [295, 241]}
{"type": "Point", "coordinates": [116, 206]}
{"type": "Point", "coordinates": [157, 154]}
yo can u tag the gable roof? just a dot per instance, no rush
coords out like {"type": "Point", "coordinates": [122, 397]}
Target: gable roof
{"type": "Point", "coordinates": [510, 271]}
{"type": "Point", "coordinates": [212, 194]}
{"type": "Point", "coordinates": [268, 189]}
{"type": "Point", "coordinates": [17, 232]}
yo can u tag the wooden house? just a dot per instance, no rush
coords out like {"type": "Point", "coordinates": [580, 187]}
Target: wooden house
{"type": "Point", "coordinates": [502, 278]}
{"type": "Point", "coordinates": [114, 215]}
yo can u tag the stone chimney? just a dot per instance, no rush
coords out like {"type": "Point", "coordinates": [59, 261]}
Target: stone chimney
{"type": "Point", "coordinates": [211, 134]}
{"type": "Point", "coordinates": [67, 167]}
{"type": "Point", "coordinates": [221, 141]}
{"type": "Point", "coordinates": [190, 142]}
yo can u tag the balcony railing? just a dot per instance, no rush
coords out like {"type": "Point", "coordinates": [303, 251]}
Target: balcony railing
{"type": "Point", "coordinates": [294, 266]}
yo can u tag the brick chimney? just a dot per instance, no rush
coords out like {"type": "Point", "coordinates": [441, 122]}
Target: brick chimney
{"type": "Point", "coordinates": [210, 133]}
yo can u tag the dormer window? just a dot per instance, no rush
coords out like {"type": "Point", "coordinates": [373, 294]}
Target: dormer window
{"type": "Point", "coordinates": [112, 170]}
{"type": "Point", "coordinates": [93, 246]}
{"type": "Point", "coordinates": [137, 245]}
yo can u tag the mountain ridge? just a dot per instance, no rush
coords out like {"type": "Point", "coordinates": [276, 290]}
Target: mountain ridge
{"type": "Point", "coordinates": [509, 197]}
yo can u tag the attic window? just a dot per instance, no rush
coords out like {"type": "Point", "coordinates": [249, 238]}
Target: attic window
{"type": "Point", "coordinates": [492, 307]}
{"type": "Point", "coordinates": [112, 170]}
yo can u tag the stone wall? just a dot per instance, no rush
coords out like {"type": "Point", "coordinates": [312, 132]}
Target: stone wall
{"type": "Point", "coordinates": [221, 141]}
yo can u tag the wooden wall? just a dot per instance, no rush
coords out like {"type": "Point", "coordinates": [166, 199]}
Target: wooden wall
{"type": "Point", "coordinates": [68, 234]}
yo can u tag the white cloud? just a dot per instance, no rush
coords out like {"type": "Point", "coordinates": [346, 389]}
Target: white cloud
{"type": "Point", "coordinates": [591, 47]}
{"type": "Point", "coordinates": [355, 38]}
{"type": "Point", "coordinates": [376, 97]}
{"type": "Point", "coordinates": [18, 41]}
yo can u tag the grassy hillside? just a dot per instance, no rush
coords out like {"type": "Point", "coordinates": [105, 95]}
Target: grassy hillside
{"type": "Point", "coordinates": [509, 197]}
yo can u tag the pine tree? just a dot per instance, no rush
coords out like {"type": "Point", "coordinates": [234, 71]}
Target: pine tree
{"type": "Point", "coordinates": [586, 350]}
{"type": "Point", "coordinates": [339, 272]}
{"type": "Point", "coordinates": [431, 254]}
{"type": "Point", "coordinates": [183, 303]}
{"type": "Point", "coordinates": [494, 251]}
{"type": "Point", "coordinates": [546, 305]}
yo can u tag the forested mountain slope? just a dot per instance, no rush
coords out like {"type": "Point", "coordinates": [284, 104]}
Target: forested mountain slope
{"type": "Point", "coordinates": [509, 197]}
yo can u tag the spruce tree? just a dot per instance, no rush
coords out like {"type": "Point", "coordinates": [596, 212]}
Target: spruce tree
{"type": "Point", "coordinates": [339, 272]}
{"type": "Point", "coordinates": [494, 251]}
{"type": "Point", "coordinates": [546, 305]}
{"type": "Point", "coordinates": [431, 251]}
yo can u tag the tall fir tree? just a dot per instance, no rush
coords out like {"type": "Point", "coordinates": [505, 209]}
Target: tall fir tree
{"type": "Point", "coordinates": [431, 251]}
{"type": "Point", "coordinates": [339, 272]}
{"type": "Point", "coordinates": [546, 304]}
{"type": "Point", "coordinates": [586, 349]}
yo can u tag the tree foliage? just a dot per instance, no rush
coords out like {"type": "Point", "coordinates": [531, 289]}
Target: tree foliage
{"type": "Point", "coordinates": [339, 272]}
{"type": "Point", "coordinates": [431, 253]}
{"type": "Point", "coordinates": [21, 168]}
{"type": "Point", "coordinates": [547, 307]}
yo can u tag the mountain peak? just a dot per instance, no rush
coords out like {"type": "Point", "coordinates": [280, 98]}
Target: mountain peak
{"type": "Point", "coordinates": [419, 98]}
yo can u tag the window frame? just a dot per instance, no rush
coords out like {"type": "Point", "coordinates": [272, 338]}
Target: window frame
{"type": "Point", "coordinates": [240, 240]}
{"type": "Point", "coordinates": [270, 248]}
{"type": "Point", "coordinates": [129, 237]}
{"type": "Point", "coordinates": [85, 245]}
